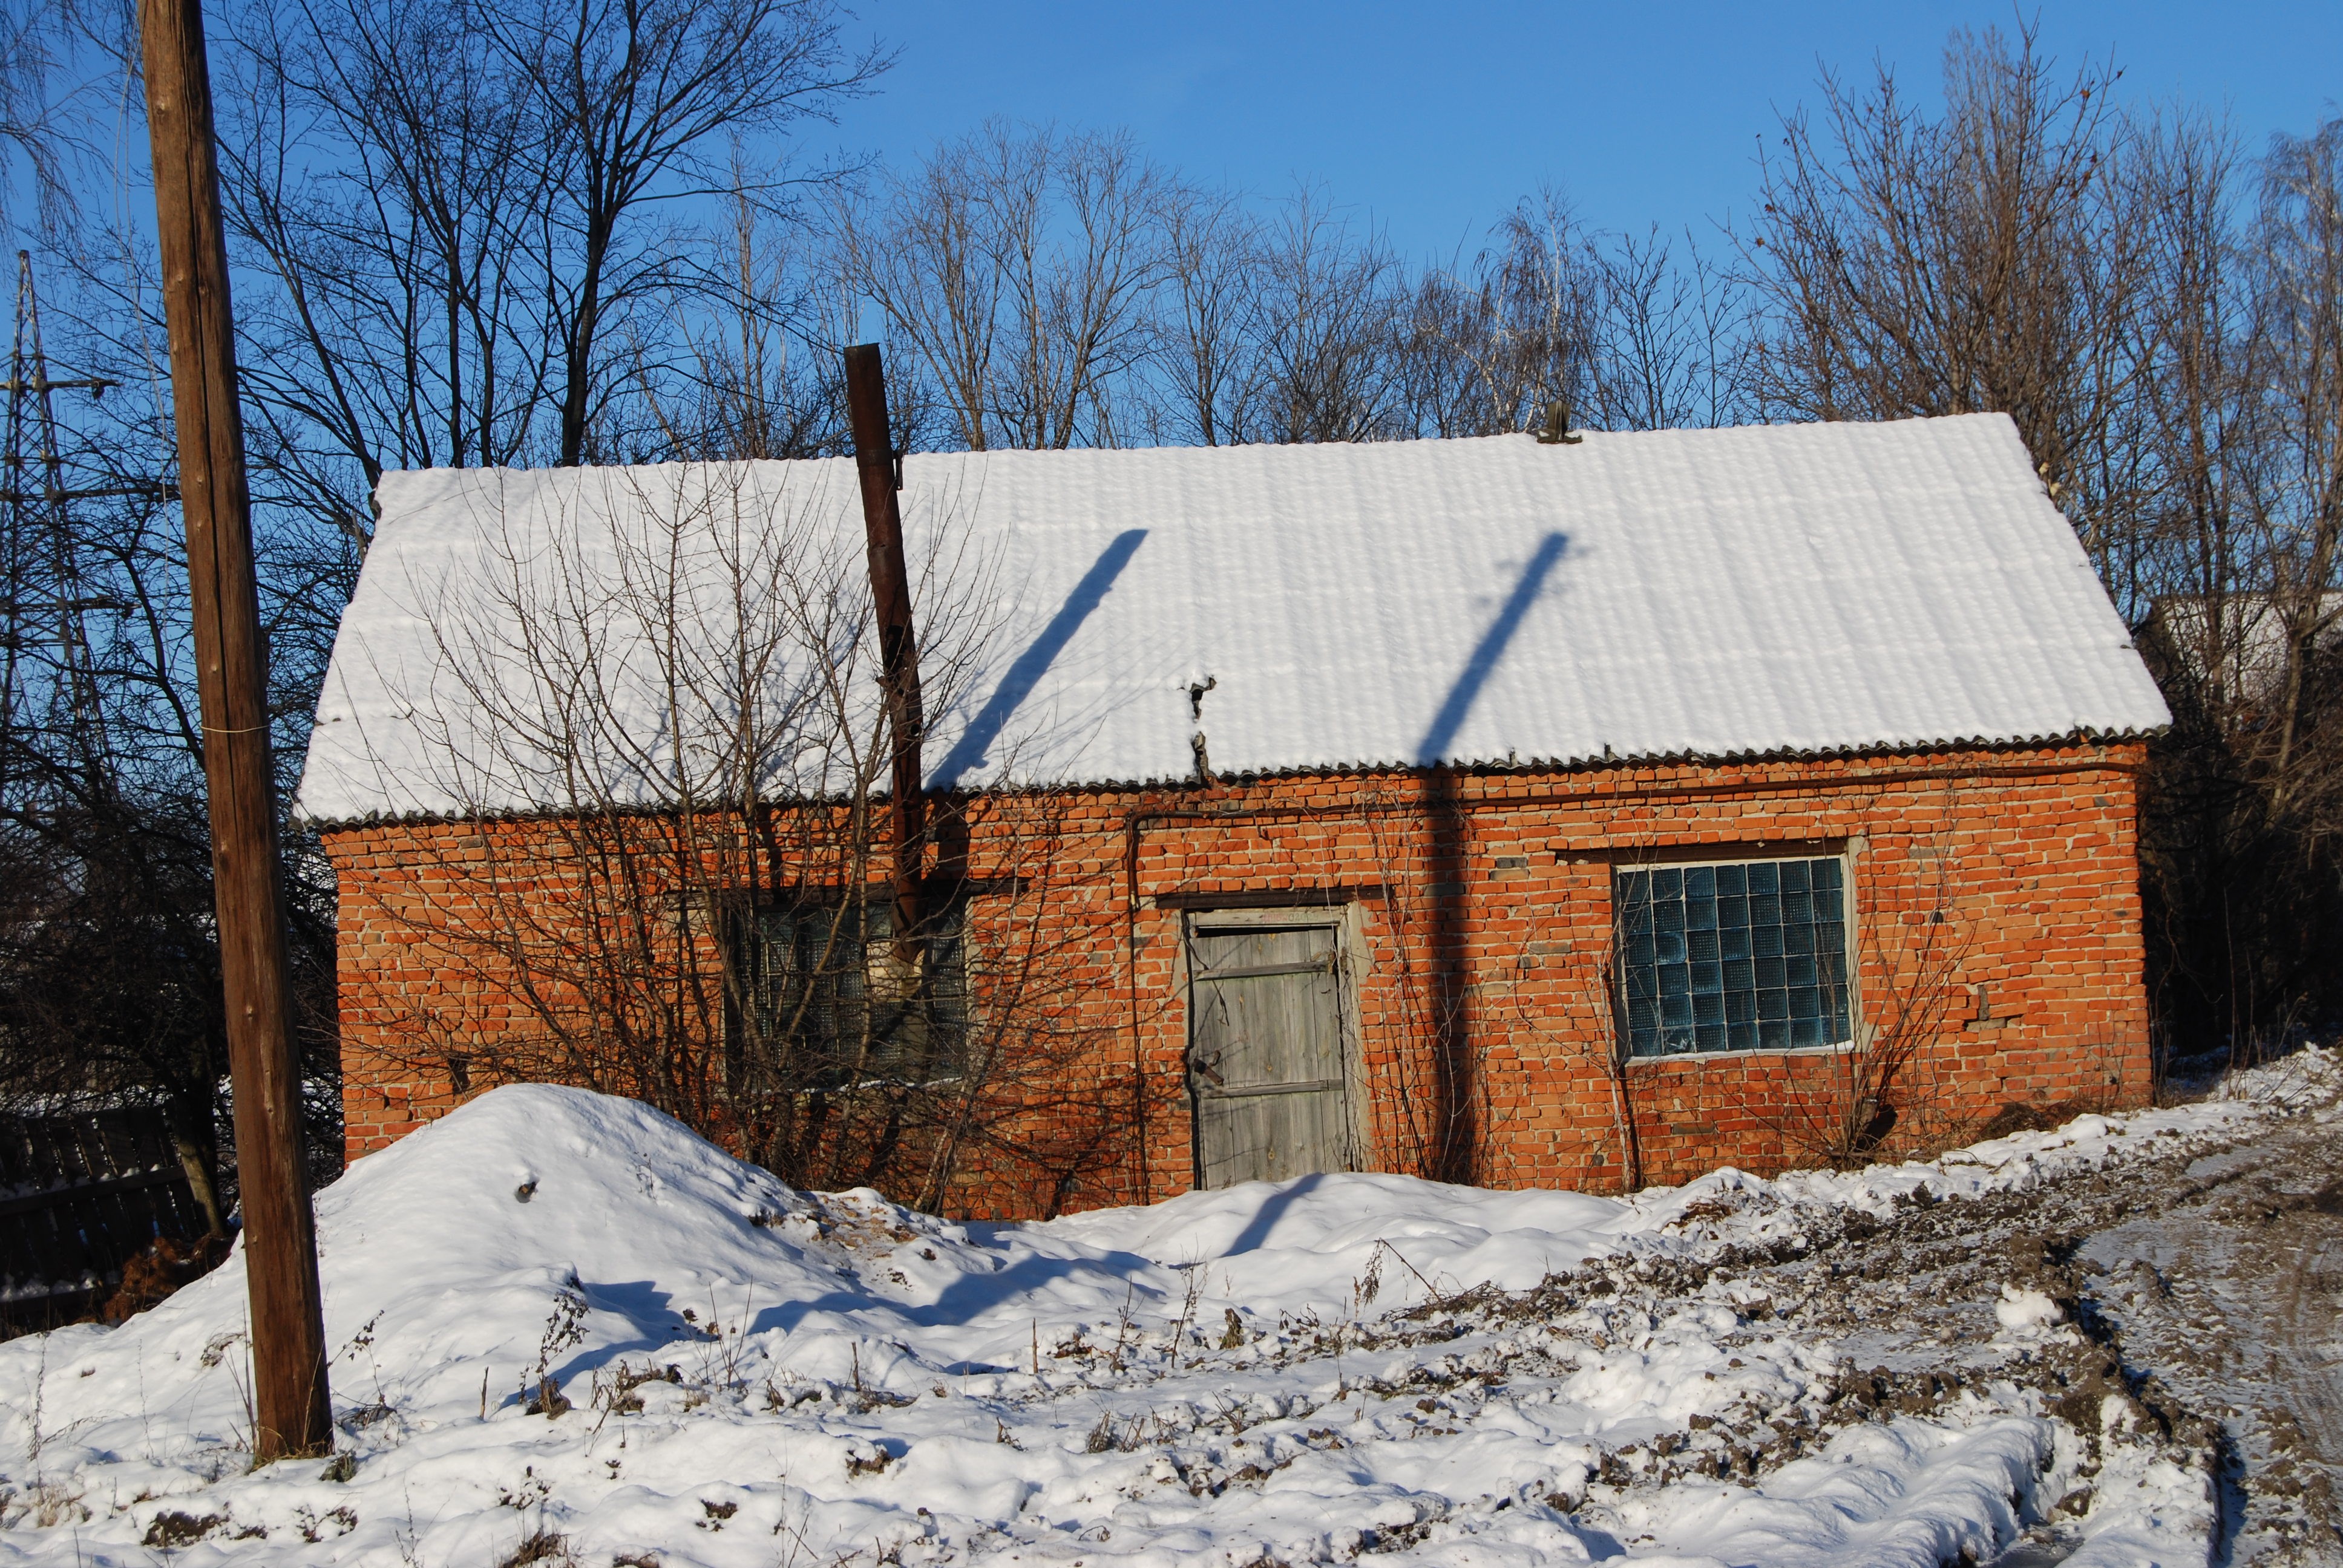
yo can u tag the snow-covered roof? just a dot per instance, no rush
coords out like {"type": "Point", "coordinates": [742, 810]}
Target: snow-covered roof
{"type": "Point", "coordinates": [1715, 593]}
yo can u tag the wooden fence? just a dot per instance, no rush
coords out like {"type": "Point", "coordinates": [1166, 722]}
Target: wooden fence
{"type": "Point", "coordinates": [80, 1195]}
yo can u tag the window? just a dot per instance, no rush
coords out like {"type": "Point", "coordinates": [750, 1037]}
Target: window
{"type": "Point", "coordinates": [831, 996]}
{"type": "Point", "coordinates": [1746, 956]}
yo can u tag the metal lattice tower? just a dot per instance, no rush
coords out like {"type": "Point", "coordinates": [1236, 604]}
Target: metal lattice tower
{"type": "Point", "coordinates": [48, 675]}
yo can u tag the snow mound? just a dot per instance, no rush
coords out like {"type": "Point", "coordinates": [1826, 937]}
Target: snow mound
{"type": "Point", "coordinates": [548, 1232]}
{"type": "Point", "coordinates": [753, 1373]}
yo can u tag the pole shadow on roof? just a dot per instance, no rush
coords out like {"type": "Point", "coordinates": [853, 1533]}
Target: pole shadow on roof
{"type": "Point", "coordinates": [1026, 673]}
{"type": "Point", "coordinates": [1434, 748]}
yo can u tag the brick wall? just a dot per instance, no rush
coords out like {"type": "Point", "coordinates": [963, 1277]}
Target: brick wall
{"type": "Point", "coordinates": [1478, 928]}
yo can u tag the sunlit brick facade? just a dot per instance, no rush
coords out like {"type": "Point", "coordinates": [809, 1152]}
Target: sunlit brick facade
{"type": "Point", "coordinates": [1993, 917]}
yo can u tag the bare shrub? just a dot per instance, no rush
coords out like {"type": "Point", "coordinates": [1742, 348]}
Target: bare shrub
{"type": "Point", "coordinates": [655, 735]}
{"type": "Point", "coordinates": [1889, 1085]}
{"type": "Point", "coordinates": [540, 1546]}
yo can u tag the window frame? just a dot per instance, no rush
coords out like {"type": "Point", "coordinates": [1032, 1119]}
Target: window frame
{"type": "Point", "coordinates": [1759, 854]}
{"type": "Point", "coordinates": [751, 940]}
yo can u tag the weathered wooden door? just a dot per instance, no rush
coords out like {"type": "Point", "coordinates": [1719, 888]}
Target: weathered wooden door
{"type": "Point", "coordinates": [1265, 1048]}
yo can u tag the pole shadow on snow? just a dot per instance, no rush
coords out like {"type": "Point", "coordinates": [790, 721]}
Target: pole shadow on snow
{"type": "Point", "coordinates": [1018, 681]}
{"type": "Point", "coordinates": [968, 1297]}
{"type": "Point", "coordinates": [974, 1294]}
{"type": "Point", "coordinates": [1452, 1133]}
{"type": "Point", "coordinates": [660, 1329]}
{"type": "Point", "coordinates": [1265, 1218]}
{"type": "Point", "coordinates": [649, 1311]}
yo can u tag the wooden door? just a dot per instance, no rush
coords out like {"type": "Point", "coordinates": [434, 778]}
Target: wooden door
{"type": "Point", "coordinates": [1265, 1049]}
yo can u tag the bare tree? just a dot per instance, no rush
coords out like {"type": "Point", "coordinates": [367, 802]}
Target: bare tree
{"type": "Point", "coordinates": [2167, 347]}
{"type": "Point", "coordinates": [1987, 259]}
{"type": "Point", "coordinates": [476, 224]}
{"type": "Point", "coordinates": [1552, 327]}
{"type": "Point", "coordinates": [2247, 793]}
{"type": "Point", "coordinates": [2299, 274]}
{"type": "Point", "coordinates": [1014, 267]}
{"type": "Point", "coordinates": [1508, 343]}
{"type": "Point", "coordinates": [404, 327]}
{"type": "Point", "coordinates": [759, 378]}
{"type": "Point", "coordinates": [1207, 366]}
{"type": "Point", "coordinates": [1056, 290]}
{"type": "Point", "coordinates": [109, 978]}
{"type": "Point", "coordinates": [39, 135]}
{"type": "Point", "coordinates": [1331, 319]}
{"type": "Point", "coordinates": [1668, 338]}
{"type": "Point", "coordinates": [638, 101]}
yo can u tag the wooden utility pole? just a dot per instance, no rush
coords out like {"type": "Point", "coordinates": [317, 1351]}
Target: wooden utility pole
{"type": "Point", "coordinates": [876, 464]}
{"type": "Point", "coordinates": [291, 1411]}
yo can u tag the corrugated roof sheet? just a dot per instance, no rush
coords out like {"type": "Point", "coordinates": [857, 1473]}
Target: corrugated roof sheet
{"type": "Point", "coordinates": [1768, 589]}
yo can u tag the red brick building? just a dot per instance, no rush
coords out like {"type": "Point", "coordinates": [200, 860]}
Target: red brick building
{"type": "Point", "coordinates": [1512, 813]}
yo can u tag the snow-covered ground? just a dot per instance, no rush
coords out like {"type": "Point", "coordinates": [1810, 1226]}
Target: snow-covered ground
{"type": "Point", "coordinates": [1303, 1371]}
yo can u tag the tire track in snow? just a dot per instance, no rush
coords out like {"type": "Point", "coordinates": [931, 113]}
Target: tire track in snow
{"type": "Point", "coordinates": [2223, 1291]}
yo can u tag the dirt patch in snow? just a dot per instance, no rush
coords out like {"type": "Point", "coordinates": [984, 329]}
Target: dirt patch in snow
{"type": "Point", "coordinates": [2227, 1285]}
{"type": "Point", "coordinates": [2181, 1302]}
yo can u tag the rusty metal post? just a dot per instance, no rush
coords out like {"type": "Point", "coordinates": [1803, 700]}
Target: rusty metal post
{"type": "Point", "coordinates": [292, 1415]}
{"type": "Point", "coordinates": [875, 463]}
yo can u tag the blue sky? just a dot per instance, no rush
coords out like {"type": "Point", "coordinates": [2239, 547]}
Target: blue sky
{"type": "Point", "coordinates": [1434, 118]}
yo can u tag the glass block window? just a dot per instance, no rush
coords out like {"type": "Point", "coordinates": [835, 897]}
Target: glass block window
{"type": "Point", "coordinates": [1750, 956]}
{"type": "Point", "coordinates": [832, 998]}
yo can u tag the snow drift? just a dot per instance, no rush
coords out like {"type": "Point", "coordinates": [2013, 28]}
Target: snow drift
{"type": "Point", "coordinates": [745, 1373]}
